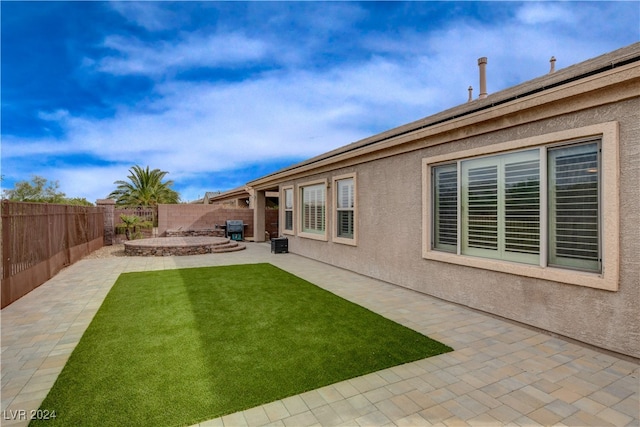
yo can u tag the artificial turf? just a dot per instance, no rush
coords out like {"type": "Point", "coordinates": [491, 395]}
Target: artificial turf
{"type": "Point", "coordinates": [177, 347]}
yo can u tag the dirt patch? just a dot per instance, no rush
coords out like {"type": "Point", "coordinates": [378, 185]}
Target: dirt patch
{"type": "Point", "coordinates": [107, 252]}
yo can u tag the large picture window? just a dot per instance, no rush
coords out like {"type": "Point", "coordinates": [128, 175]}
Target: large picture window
{"type": "Point", "coordinates": [344, 219]}
{"type": "Point", "coordinates": [313, 209]}
{"type": "Point", "coordinates": [498, 200]}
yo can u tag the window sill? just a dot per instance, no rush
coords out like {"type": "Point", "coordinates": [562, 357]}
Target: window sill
{"type": "Point", "coordinates": [571, 277]}
{"type": "Point", "coordinates": [322, 237]}
{"type": "Point", "coordinates": [345, 241]}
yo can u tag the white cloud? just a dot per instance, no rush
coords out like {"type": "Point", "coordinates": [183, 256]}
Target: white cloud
{"type": "Point", "coordinates": [533, 13]}
{"type": "Point", "coordinates": [53, 116]}
{"type": "Point", "coordinates": [195, 50]}
{"type": "Point", "coordinates": [90, 182]}
{"type": "Point", "coordinates": [21, 148]}
{"type": "Point", "coordinates": [196, 128]}
{"type": "Point", "coordinates": [153, 16]}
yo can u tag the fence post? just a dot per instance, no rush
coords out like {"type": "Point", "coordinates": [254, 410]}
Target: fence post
{"type": "Point", "coordinates": [108, 206]}
{"type": "Point", "coordinates": [5, 292]}
{"type": "Point", "coordinates": [50, 224]}
{"type": "Point", "coordinates": [69, 233]}
{"type": "Point", "coordinates": [6, 236]}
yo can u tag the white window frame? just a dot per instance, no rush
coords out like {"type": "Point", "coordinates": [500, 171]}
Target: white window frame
{"type": "Point", "coordinates": [608, 278]}
{"type": "Point", "coordinates": [353, 241]}
{"type": "Point", "coordinates": [300, 207]}
{"type": "Point", "coordinates": [285, 210]}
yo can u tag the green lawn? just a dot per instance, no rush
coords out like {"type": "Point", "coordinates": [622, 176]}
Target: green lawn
{"type": "Point", "coordinates": [177, 347]}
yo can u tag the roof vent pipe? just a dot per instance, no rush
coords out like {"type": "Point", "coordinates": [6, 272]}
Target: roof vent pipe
{"type": "Point", "coordinates": [482, 63]}
{"type": "Point", "coordinates": [470, 94]}
{"type": "Point", "coordinates": [553, 65]}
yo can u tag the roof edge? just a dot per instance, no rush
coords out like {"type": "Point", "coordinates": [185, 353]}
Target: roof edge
{"type": "Point", "coordinates": [615, 59]}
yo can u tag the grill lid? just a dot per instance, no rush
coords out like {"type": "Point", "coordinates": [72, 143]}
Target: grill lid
{"type": "Point", "coordinates": [235, 225]}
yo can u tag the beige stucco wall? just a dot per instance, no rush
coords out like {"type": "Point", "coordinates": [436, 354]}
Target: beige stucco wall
{"type": "Point", "coordinates": [390, 215]}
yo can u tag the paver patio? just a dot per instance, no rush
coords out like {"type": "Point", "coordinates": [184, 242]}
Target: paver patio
{"type": "Point", "coordinates": [499, 374]}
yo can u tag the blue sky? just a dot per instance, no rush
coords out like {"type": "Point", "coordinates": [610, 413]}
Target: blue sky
{"type": "Point", "coordinates": [221, 93]}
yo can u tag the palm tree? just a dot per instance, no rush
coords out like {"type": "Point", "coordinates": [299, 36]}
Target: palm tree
{"type": "Point", "coordinates": [145, 188]}
{"type": "Point", "coordinates": [131, 224]}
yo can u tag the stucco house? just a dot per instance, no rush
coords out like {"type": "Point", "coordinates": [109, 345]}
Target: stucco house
{"type": "Point", "coordinates": [240, 197]}
{"type": "Point", "coordinates": [235, 198]}
{"type": "Point", "coordinates": [523, 203]}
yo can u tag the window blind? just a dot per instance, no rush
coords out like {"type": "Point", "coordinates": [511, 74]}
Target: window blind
{"type": "Point", "coordinates": [288, 209]}
{"type": "Point", "coordinates": [345, 208]}
{"type": "Point", "coordinates": [522, 207]}
{"type": "Point", "coordinates": [574, 206]}
{"type": "Point", "coordinates": [446, 207]}
{"type": "Point", "coordinates": [313, 208]}
{"type": "Point", "coordinates": [288, 198]}
{"type": "Point", "coordinates": [482, 208]}
{"type": "Point", "coordinates": [501, 206]}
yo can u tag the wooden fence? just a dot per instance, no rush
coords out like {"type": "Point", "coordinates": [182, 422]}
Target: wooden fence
{"type": "Point", "coordinates": [39, 239]}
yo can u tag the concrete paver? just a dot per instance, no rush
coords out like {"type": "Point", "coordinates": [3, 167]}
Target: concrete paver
{"type": "Point", "coordinates": [500, 373]}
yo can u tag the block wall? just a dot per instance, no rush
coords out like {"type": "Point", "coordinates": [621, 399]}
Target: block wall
{"type": "Point", "coordinates": [184, 217]}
